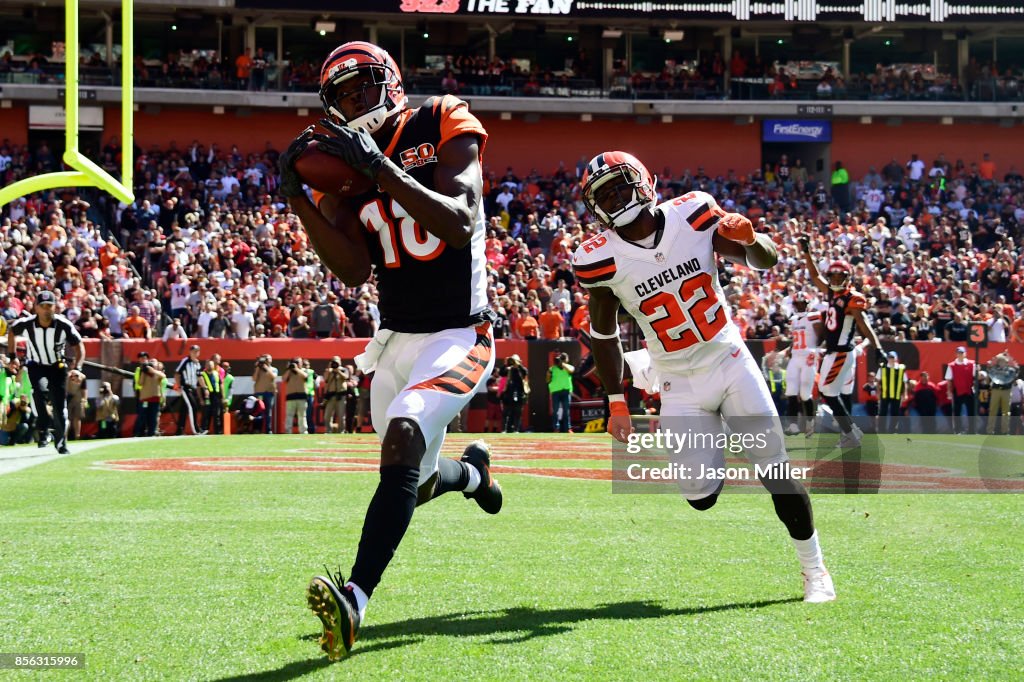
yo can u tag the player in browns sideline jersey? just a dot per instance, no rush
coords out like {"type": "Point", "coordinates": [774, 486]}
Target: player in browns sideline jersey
{"type": "Point", "coordinates": [806, 328]}
{"type": "Point", "coordinates": [659, 262]}
{"type": "Point", "coordinates": [421, 231]}
{"type": "Point", "coordinates": [843, 317]}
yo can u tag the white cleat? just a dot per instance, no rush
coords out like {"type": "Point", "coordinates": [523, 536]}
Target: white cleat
{"type": "Point", "coordinates": [793, 429]}
{"type": "Point", "coordinates": [818, 587]}
{"type": "Point", "coordinates": [809, 431]}
{"type": "Point", "coordinates": [851, 439]}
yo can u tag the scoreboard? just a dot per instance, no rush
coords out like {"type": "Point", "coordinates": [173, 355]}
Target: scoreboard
{"type": "Point", "coordinates": [926, 11]}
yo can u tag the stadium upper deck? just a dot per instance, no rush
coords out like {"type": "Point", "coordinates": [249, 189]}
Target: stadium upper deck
{"type": "Point", "coordinates": [885, 76]}
{"type": "Point", "coordinates": [939, 50]}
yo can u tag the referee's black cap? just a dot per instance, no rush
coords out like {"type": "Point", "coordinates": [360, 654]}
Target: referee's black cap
{"type": "Point", "coordinates": [45, 298]}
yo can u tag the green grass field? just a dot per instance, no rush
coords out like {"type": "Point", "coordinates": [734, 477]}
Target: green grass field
{"type": "Point", "coordinates": [201, 574]}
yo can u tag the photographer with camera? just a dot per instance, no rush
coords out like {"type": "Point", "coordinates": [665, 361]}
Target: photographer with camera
{"type": "Point", "coordinates": [17, 419]}
{"type": "Point", "coordinates": [250, 415]}
{"type": "Point", "coordinates": [264, 380]}
{"type": "Point", "coordinates": [295, 396]}
{"type": "Point", "coordinates": [107, 418]}
{"type": "Point", "coordinates": [335, 385]}
{"type": "Point", "coordinates": [513, 393]}
{"type": "Point", "coordinates": [560, 388]}
{"type": "Point", "coordinates": [150, 395]}
{"type": "Point", "coordinates": [78, 403]}
{"type": "Point", "coordinates": [1002, 371]}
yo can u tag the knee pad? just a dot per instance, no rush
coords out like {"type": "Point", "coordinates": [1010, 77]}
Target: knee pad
{"type": "Point", "coordinates": [403, 443]}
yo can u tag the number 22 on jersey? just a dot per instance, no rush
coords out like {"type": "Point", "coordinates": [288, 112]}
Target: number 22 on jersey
{"type": "Point", "coordinates": [687, 311]}
{"type": "Point", "coordinates": [399, 232]}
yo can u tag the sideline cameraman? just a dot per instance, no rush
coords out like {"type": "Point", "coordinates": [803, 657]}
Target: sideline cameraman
{"type": "Point", "coordinates": [151, 382]}
{"type": "Point", "coordinates": [78, 403]}
{"type": "Point", "coordinates": [514, 392]}
{"type": "Point", "coordinates": [264, 380]}
{"type": "Point", "coordinates": [16, 428]}
{"type": "Point", "coordinates": [295, 396]}
{"type": "Point", "coordinates": [108, 419]}
{"type": "Point", "coordinates": [335, 383]}
{"type": "Point", "coordinates": [560, 388]}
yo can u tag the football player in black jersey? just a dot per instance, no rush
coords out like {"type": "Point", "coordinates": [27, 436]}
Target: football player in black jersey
{"type": "Point", "coordinates": [844, 315]}
{"type": "Point", "coordinates": [421, 231]}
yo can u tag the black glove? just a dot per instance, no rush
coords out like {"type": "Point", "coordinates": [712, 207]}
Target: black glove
{"type": "Point", "coordinates": [357, 148]}
{"type": "Point", "coordinates": [804, 242]}
{"type": "Point", "coordinates": [291, 182]}
{"type": "Point", "coordinates": [880, 357]}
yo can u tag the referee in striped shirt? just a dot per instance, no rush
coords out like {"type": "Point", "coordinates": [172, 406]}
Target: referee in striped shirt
{"type": "Point", "coordinates": [49, 336]}
{"type": "Point", "coordinates": [187, 378]}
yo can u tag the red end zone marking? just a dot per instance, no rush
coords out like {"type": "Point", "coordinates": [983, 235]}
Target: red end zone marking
{"type": "Point", "coordinates": [244, 463]}
{"type": "Point", "coordinates": [823, 475]}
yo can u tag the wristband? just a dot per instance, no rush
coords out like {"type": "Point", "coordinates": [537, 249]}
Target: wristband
{"type": "Point", "coordinates": [617, 405]}
{"type": "Point", "coordinates": [594, 334]}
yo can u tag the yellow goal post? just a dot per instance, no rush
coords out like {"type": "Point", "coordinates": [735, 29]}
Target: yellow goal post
{"type": "Point", "coordinates": [87, 173]}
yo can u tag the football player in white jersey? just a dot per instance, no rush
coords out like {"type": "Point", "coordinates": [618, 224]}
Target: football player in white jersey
{"type": "Point", "coordinates": [806, 329]}
{"type": "Point", "coordinates": [658, 261]}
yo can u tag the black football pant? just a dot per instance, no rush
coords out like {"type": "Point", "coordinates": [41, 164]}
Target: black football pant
{"type": "Point", "coordinates": [351, 423]}
{"type": "Point", "coordinates": [513, 416]}
{"type": "Point", "coordinates": [889, 415]}
{"type": "Point", "coordinates": [959, 402]}
{"type": "Point", "coordinates": [190, 408]}
{"type": "Point", "coordinates": [215, 415]}
{"type": "Point", "coordinates": [139, 429]}
{"type": "Point", "coordinates": [48, 390]}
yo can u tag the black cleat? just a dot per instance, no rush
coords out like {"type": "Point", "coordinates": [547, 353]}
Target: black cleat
{"type": "Point", "coordinates": [63, 450]}
{"type": "Point", "coordinates": [337, 610]}
{"type": "Point", "coordinates": [488, 494]}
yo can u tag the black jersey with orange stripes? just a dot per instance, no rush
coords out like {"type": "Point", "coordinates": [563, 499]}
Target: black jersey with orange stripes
{"type": "Point", "coordinates": [840, 325]}
{"type": "Point", "coordinates": [424, 284]}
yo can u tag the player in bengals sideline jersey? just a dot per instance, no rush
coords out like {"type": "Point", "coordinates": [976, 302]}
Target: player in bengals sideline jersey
{"type": "Point", "coordinates": [844, 315]}
{"type": "Point", "coordinates": [658, 261]}
{"type": "Point", "coordinates": [421, 229]}
{"type": "Point", "coordinates": [806, 329]}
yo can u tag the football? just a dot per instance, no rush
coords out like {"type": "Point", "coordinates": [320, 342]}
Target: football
{"type": "Point", "coordinates": [328, 174]}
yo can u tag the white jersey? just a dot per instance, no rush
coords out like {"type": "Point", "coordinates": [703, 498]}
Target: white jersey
{"type": "Point", "coordinates": [805, 338]}
{"type": "Point", "coordinates": [670, 289]}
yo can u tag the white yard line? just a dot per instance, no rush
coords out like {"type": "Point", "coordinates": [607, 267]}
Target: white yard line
{"type": "Point", "coordinates": [18, 457]}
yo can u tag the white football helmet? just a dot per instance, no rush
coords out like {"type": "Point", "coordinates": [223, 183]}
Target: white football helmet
{"type": "Point", "coordinates": [621, 183]}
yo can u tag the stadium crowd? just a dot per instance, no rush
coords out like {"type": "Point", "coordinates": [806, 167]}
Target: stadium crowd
{"type": "Point", "coordinates": [208, 250]}
{"type": "Point", "coordinates": [752, 77]}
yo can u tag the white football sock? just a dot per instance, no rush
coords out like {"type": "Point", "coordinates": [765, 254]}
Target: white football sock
{"type": "Point", "coordinates": [809, 552]}
{"type": "Point", "coordinates": [474, 479]}
{"type": "Point", "coordinates": [361, 599]}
